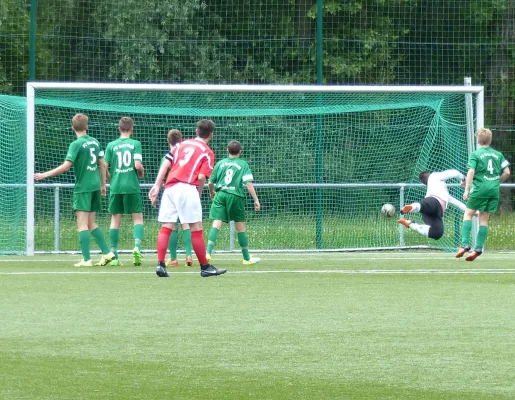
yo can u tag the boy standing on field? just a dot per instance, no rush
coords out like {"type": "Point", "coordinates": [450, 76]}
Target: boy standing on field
{"type": "Point", "coordinates": [487, 169]}
{"type": "Point", "coordinates": [123, 158]}
{"type": "Point", "coordinates": [86, 156]}
{"type": "Point", "coordinates": [191, 163]}
{"type": "Point", "coordinates": [227, 190]}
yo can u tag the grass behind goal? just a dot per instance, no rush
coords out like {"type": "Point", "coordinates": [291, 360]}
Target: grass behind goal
{"type": "Point", "coordinates": [412, 325]}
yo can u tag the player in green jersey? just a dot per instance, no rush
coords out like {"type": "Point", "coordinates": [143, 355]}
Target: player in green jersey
{"type": "Point", "coordinates": [227, 186]}
{"type": "Point", "coordinates": [123, 158]}
{"type": "Point", "coordinates": [86, 156]}
{"type": "Point", "coordinates": [174, 138]}
{"type": "Point", "coordinates": [487, 169]}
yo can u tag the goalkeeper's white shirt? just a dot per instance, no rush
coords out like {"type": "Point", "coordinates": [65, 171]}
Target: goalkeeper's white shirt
{"type": "Point", "coordinates": [437, 187]}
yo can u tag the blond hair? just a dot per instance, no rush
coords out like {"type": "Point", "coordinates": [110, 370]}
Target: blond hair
{"type": "Point", "coordinates": [174, 137]}
{"type": "Point", "coordinates": [126, 124]}
{"type": "Point", "coordinates": [80, 123]}
{"type": "Point", "coordinates": [484, 136]}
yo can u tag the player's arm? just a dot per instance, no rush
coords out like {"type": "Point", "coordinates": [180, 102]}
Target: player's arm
{"type": "Point", "coordinates": [103, 175]}
{"type": "Point", "coordinates": [138, 158]}
{"type": "Point", "coordinates": [449, 174]}
{"type": "Point", "coordinates": [201, 183]}
{"type": "Point", "coordinates": [154, 192]}
{"type": "Point", "coordinates": [468, 183]}
{"type": "Point", "coordinates": [61, 169]}
{"type": "Point", "coordinates": [211, 187]}
{"type": "Point", "coordinates": [252, 191]}
{"type": "Point", "coordinates": [456, 203]}
{"type": "Point", "coordinates": [505, 174]}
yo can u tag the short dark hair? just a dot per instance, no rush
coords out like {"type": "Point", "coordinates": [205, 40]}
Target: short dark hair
{"type": "Point", "coordinates": [126, 124]}
{"type": "Point", "coordinates": [424, 176]}
{"type": "Point", "coordinates": [234, 147]}
{"type": "Point", "coordinates": [174, 137]}
{"type": "Point", "coordinates": [205, 127]}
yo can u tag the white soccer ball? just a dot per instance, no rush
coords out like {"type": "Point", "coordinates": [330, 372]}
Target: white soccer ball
{"type": "Point", "coordinates": [388, 210]}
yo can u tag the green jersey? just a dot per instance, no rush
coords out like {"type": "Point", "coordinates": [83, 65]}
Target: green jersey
{"type": "Point", "coordinates": [488, 165]}
{"type": "Point", "coordinates": [121, 155]}
{"type": "Point", "coordinates": [84, 154]}
{"type": "Point", "coordinates": [230, 175]}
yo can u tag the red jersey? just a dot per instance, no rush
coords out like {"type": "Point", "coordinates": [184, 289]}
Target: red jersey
{"type": "Point", "coordinates": [189, 159]}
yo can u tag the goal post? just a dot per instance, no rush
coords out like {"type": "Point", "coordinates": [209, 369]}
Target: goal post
{"type": "Point", "coordinates": [325, 158]}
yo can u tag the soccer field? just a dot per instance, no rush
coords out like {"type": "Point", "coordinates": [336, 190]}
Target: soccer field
{"type": "Point", "coordinates": [397, 325]}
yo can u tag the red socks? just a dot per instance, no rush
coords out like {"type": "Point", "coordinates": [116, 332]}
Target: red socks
{"type": "Point", "coordinates": [162, 243]}
{"type": "Point", "coordinates": [199, 246]}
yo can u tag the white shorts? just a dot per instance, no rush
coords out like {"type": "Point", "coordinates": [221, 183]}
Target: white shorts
{"type": "Point", "coordinates": [180, 201]}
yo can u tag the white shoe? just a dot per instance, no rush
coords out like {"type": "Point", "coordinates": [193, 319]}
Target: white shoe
{"type": "Point", "coordinates": [83, 263]}
{"type": "Point", "coordinates": [253, 260]}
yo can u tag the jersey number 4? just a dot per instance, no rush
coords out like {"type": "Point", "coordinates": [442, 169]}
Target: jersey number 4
{"type": "Point", "coordinates": [490, 166]}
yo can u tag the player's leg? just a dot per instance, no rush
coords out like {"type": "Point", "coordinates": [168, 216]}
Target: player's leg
{"type": "Point", "coordinates": [96, 232]}
{"type": "Point", "coordinates": [413, 207]}
{"type": "Point", "coordinates": [134, 206]}
{"type": "Point", "coordinates": [236, 210]}
{"type": "Point", "coordinates": [168, 217]}
{"type": "Point", "coordinates": [213, 236]}
{"type": "Point", "coordinates": [173, 242]}
{"type": "Point", "coordinates": [84, 238]}
{"type": "Point", "coordinates": [466, 228]}
{"type": "Point", "coordinates": [190, 212]}
{"type": "Point", "coordinates": [114, 236]}
{"type": "Point", "coordinates": [188, 248]}
{"type": "Point", "coordinates": [489, 206]}
{"type": "Point", "coordinates": [431, 211]}
{"type": "Point", "coordinates": [218, 213]}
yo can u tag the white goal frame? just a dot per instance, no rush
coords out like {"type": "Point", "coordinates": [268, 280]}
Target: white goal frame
{"type": "Point", "coordinates": [467, 89]}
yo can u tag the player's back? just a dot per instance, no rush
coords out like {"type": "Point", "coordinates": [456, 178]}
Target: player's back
{"type": "Point", "coordinates": [121, 155]}
{"type": "Point", "coordinates": [84, 152]}
{"type": "Point", "coordinates": [230, 175]}
{"type": "Point", "coordinates": [190, 158]}
{"type": "Point", "coordinates": [488, 164]}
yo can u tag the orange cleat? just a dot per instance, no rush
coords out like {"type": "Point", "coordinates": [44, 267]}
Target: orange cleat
{"type": "Point", "coordinates": [189, 261]}
{"type": "Point", "coordinates": [172, 263]}
{"type": "Point", "coordinates": [406, 209]}
{"type": "Point", "coordinates": [405, 222]}
{"type": "Point", "coordinates": [472, 256]}
{"type": "Point", "coordinates": [461, 251]}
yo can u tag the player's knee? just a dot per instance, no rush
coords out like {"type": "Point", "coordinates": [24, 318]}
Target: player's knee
{"type": "Point", "coordinates": [435, 232]}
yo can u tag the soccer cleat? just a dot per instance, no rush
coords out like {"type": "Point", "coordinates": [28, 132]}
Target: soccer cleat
{"type": "Point", "coordinates": [208, 270]}
{"type": "Point", "coordinates": [136, 256]}
{"type": "Point", "coordinates": [115, 263]}
{"type": "Point", "coordinates": [189, 261]}
{"type": "Point", "coordinates": [405, 222]}
{"type": "Point", "coordinates": [172, 263]}
{"type": "Point", "coordinates": [106, 259]}
{"type": "Point", "coordinates": [461, 251]}
{"type": "Point", "coordinates": [472, 256]}
{"type": "Point", "coordinates": [83, 263]}
{"type": "Point", "coordinates": [161, 270]}
{"type": "Point", "coordinates": [208, 256]}
{"type": "Point", "coordinates": [406, 209]}
{"type": "Point", "coordinates": [252, 261]}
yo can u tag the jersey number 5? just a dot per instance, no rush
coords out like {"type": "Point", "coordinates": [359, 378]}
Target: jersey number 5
{"type": "Point", "coordinates": [93, 155]}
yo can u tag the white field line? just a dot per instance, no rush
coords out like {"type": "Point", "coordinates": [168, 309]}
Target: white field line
{"type": "Point", "coordinates": [325, 271]}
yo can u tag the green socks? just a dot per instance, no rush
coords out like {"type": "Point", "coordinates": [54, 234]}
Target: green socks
{"type": "Point", "coordinates": [481, 237]}
{"type": "Point", "coordinates": [211, 239]}
{"type": "Point", "coordinates": [138, 235]}
{"type": "Point", "coordinates": [172, 244]}
{"type": "Point", "coordinates": [84, 244]}
{"type": "Point", "coordinates": [465, 233]}
{"type": "Point", "coordinates": [186, 237]}
{"type": "Point", "coordinates": [244, 244]}
{"type": "Point", "coordinates": [99, 237]}
{"type": "Point", "coordinates": [113, 239]}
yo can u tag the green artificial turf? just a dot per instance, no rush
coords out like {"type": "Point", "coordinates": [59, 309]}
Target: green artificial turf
{"type": "Point", "coordinates": [403, 325]}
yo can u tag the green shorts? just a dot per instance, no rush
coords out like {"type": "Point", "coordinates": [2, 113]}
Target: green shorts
{"type": "Point", "coordinates": [227, 207]}
{"type": "Point", "coordinates": [88, 201]}
{"type": "Point", "coordinates": [125, 203]}
{"type": "Point", "coordinates": [485, 204]}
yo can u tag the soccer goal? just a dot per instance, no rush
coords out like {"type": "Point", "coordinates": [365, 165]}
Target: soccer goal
{"type": "Point", "coordinates": [325, 158]}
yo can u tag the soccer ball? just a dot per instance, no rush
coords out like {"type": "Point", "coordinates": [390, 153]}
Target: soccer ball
{"type": "Point", "coordinates": [387, 210]}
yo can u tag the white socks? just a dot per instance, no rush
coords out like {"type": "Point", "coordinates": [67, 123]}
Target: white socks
{"type": "Point", "coordinates": [416, 207]}
{"type": "Point", "coordinates": [422, 229]}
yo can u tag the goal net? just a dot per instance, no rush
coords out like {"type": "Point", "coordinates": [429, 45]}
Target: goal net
{"type": "Point", "coordinates": [324, 159]}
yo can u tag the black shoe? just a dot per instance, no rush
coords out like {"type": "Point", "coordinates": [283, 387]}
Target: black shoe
{"type": "Point", "coordinates": [208, 270]}
{"type": "Point", "coordinates": [161, 270]}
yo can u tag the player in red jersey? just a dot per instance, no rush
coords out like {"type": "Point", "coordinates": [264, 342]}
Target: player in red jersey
{"type": "Point", "coordinates": [191, 164]}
